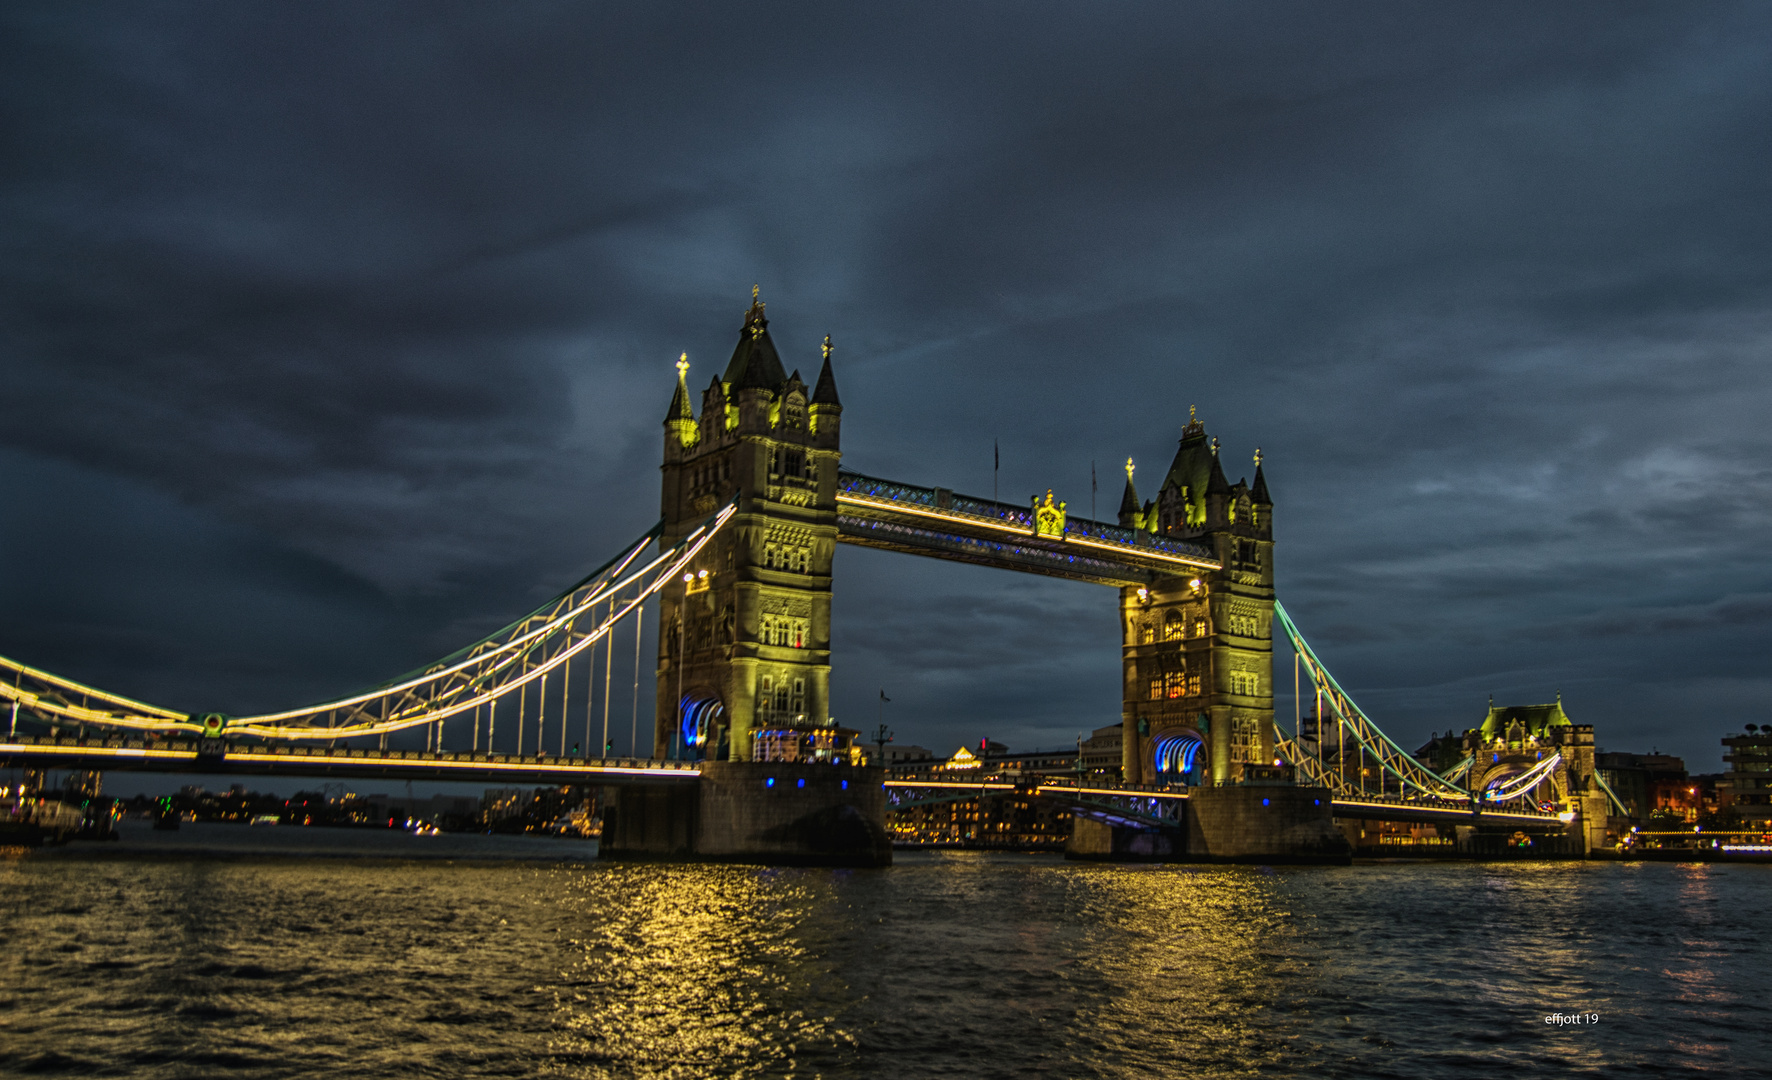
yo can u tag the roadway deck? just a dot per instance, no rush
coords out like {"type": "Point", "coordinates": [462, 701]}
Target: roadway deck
{"type": "Point", "coordinates": [215, 756]}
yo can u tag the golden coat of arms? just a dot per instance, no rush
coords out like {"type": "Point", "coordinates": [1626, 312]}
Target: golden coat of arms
{"type": "Point", "coordinates": [1048, 517]}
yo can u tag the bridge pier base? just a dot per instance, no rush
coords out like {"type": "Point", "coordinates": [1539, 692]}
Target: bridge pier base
{"type": "Point", "coordinates": [1278, 824]}
{"type": "Point", "coordinates": [755, 812]}
{"type": "Point", "coordinates": [1097, 841]}
{"type": "Point", "coordinates": [1232, 824]}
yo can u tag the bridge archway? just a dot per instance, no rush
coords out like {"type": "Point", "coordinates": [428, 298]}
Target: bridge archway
{"type": "Point", "coordinates": [1178, 756]}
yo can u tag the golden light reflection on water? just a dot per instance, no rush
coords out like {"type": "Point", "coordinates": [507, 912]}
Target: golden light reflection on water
{"type": "Point", "coordinates": [688, 971]}
{"type": "Point", "coordinates": [956, 964]}
{"type": "Point", "coordinates": [1194, 955]}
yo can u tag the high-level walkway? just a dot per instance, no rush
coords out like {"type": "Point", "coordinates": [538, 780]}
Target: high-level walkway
{"type": "Point", "coordinates": [937, 522]}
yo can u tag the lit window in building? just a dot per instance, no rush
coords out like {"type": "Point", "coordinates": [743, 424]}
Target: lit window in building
{"type": "Point", "coordinates": [1147, 634]}
{"type": "Point", "coordinates": [1199, 627]}
{"type": "Point", "coordinates": [1173, 627]}
{"type": "Point", "coordinates": [1157, 689]}
{"type": "Point", "coordinates": [1245, 739]}
{"type": "Point", "coordinates": [1174, 684]}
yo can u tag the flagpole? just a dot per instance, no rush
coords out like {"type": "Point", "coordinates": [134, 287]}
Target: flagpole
{"type": "Point", "coordinates": [996, 463]}
{"type": "Point", "coordinates": [1092, 490]}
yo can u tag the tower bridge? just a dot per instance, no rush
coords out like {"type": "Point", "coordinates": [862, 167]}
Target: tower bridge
{"type": "Point", "coordinates": [743, 760]}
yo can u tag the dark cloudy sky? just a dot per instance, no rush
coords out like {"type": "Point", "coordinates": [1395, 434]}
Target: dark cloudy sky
{"type": "Point", "coordinates": [334, 335]}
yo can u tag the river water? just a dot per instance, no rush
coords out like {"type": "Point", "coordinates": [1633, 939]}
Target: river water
{"type": "Point", "coordinates": [235, 952]}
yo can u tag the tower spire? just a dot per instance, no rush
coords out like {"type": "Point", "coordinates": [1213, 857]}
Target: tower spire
{"type": "Point", "coordinates": [753, 319]}
{"type": "Point", "coordinates": [1131, 514]}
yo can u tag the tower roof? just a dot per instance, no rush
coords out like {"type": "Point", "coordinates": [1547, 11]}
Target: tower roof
{"type": "Point", "coordinates": [755, 363]}
{"type": "Point", "coordinates": [1538, 720]}
{"type": "Point", "coordinates": [826, 391]}
{"type": "Point", "coordinates": [1192, 467]}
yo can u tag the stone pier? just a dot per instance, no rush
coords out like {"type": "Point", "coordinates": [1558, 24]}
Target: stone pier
{"type": "Point", "coordinates": [755, 812]}
{"type": "Point", "coordinates": [1230, 824]}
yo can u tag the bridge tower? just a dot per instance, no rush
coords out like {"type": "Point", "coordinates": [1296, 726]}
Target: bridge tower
{"type": "Point", "coordinates": [1198, 650]}
{"type": "Point", "coordinates": [744, 644]}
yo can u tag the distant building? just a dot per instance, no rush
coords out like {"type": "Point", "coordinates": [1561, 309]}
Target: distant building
{"type": "Point", "coordinates": [996, 759]}
{"type": "Point", "coordinates": [498, 804]}
{"type": "Point", "coordinates": [1102, 750]}
{"type": "Point", "coordinates": [1644, 782]}
{"type": "Point", "coordinates": [1745, 791]}
{"type": "Point", "coordinates": [1006, 821]}
{"type": "Point", "coordinates": [893, 757]}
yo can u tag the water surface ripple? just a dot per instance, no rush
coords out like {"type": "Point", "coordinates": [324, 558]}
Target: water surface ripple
{"type": "Point", "coordinates": [953, 964]}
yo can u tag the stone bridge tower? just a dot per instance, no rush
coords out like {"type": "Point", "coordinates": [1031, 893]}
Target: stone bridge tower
{"type": "Point", "coordinates": [1198, 650]}
{"type": "Point", "coordinates": [744, 646]}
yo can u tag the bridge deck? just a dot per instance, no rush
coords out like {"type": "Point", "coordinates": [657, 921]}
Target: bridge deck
{"type": "Point", "coordinates": [173, 755]}
{"type": "Point", "coordinates": [1368, 809]}
{"type": "Point", "coordinates": [934, 521]}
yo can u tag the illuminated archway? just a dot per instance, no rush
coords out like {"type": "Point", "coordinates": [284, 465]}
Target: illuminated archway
{"type": "Point", "coordinates": [1177, 757]}
{"type": "Point", "coordinates": [698, 725]}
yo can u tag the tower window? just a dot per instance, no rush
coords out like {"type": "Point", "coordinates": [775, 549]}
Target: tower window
{"type": "Point", "coordinates": [1245, 739]}
{"type": "Point", "coordinates": [1173, 627]}
{"type": "Point", "coordinates": [1147, 634]}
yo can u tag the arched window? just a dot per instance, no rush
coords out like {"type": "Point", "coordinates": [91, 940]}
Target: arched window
{"type": "Point", "coordinates": [1173, 627]}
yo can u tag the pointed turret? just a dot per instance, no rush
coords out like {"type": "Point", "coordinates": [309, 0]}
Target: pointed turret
{"type": "Point", "coordinates": [680, 407]}
{"type": "Point", "coordinates": [679, 422]}
{"type": "Point", "coordinates": [827, 411]}
{"type": "Point", "coordinates": [826, 391]}
{"type": "Point", "coordinates": [1258, 491]}
{"type": "Point", "coordinates": [1216, 484]}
